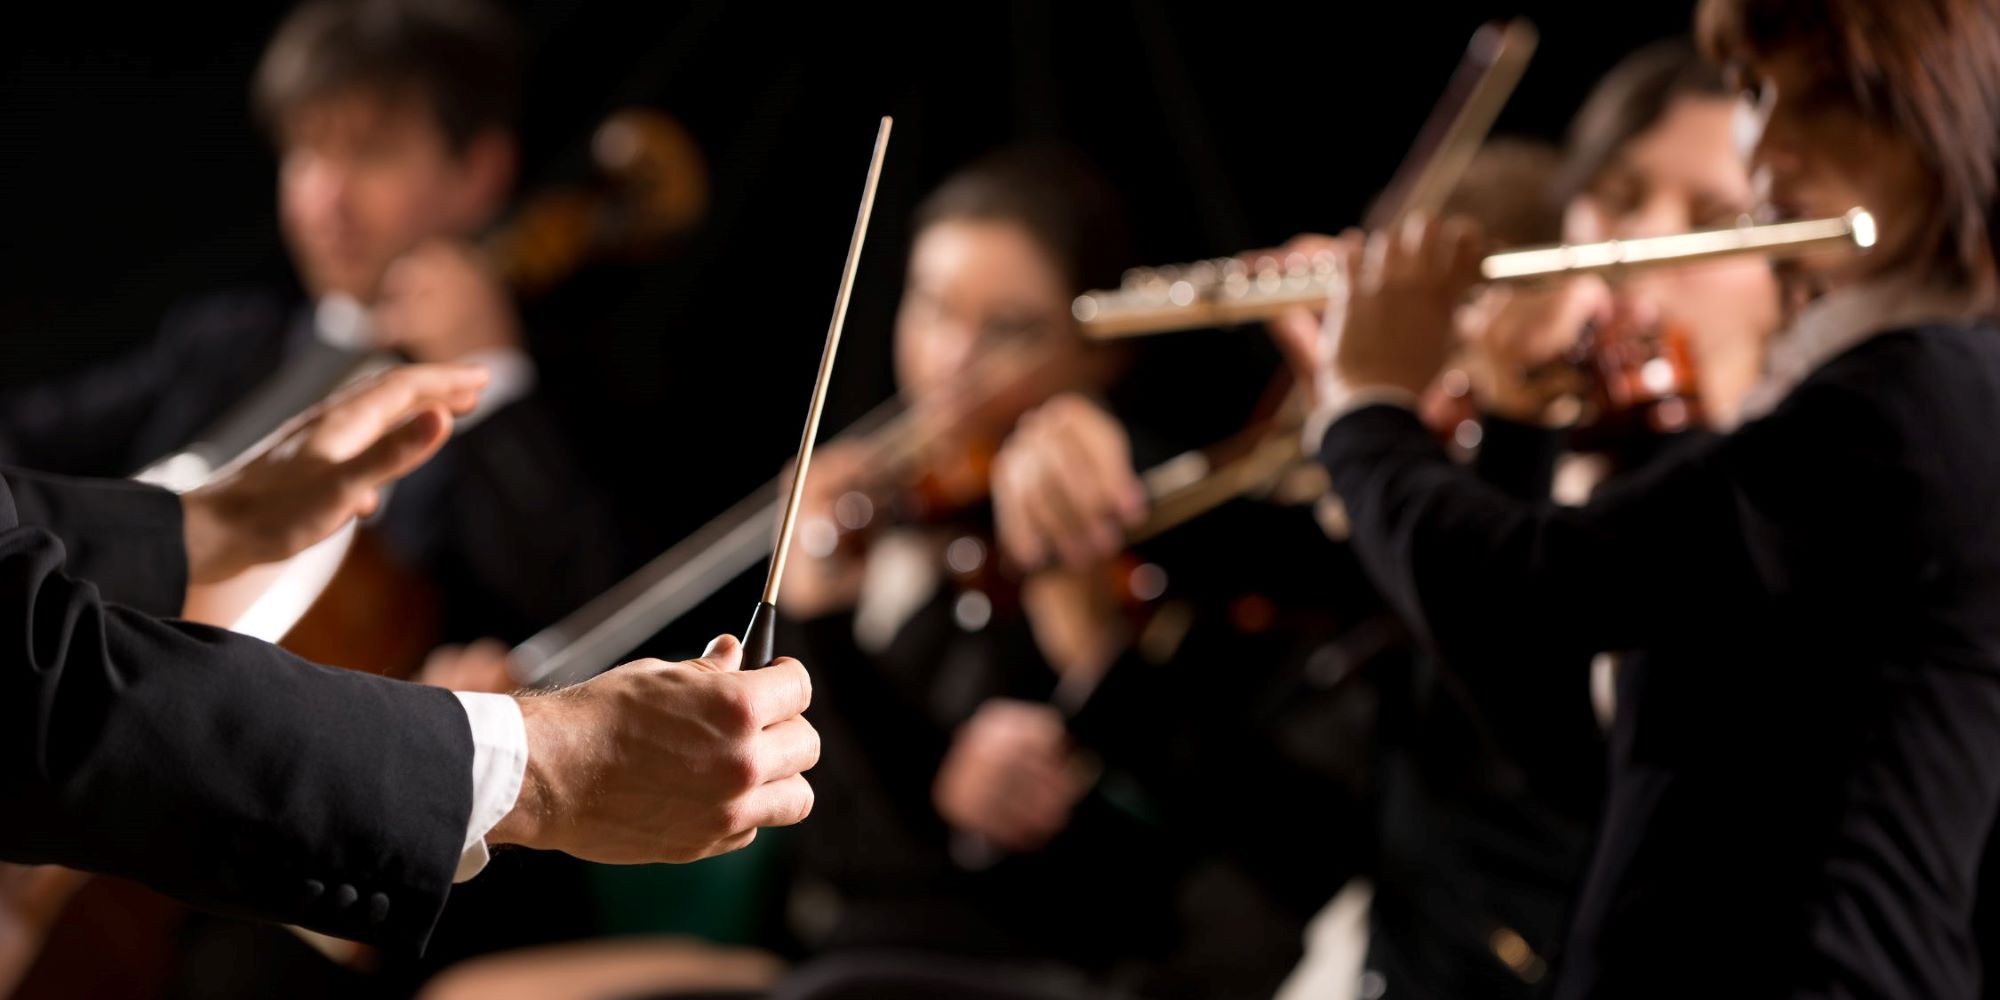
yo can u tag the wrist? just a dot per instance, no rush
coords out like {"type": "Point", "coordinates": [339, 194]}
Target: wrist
{"type": "Point", "coordinates": [526, 824]}
{"type": "Point", "coordinates": [205, 535]}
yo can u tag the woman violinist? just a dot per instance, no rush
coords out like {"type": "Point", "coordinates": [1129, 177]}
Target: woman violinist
{"type": "Point", "coordinates": [922, 685]}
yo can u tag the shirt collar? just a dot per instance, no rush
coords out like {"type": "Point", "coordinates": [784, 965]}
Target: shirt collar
{"type": "Point", "coordinates": [1842, 319]}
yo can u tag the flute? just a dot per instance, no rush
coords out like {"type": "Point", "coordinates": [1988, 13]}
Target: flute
{"type": "Point", "coordinates": [1230, 290]}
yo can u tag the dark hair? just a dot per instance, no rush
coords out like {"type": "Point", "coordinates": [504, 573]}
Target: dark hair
{"type": "Point", "coordinates": [1067, 207]}
{"type": "Point", "coordinates": [1509, 188]}
{"type": "Point", "coordinates": [1927, 70]}
{"type": "Point", "coordinates": [462, 58]}
{"type": "Point", "coordinates": [1628, 102]}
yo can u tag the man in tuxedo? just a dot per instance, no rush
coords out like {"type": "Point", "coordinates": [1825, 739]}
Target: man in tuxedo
{"type": "Point", "coordinates": [227, 772]}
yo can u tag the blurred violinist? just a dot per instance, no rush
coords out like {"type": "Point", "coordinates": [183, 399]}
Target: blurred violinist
{"type": "Point", "coordinates": [393, 127]}
{"type": "Point", "coordinates": [934, 705]}
{"type": "Point", "coordinates": [1800, 788]}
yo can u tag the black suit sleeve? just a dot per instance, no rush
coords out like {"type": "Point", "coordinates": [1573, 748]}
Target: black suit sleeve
{"type": "Point", "coordinates": [214, 767]}
{"type": "Point", "coordinates": [124, 537]}
{"type": "Point", "coordinates": [1694, 538]}
{"type": "Point", "coordinates": [1518, 459]}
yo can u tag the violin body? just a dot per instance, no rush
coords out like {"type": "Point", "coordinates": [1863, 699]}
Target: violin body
{"type": "Point", "coordinates": [1641, 382]}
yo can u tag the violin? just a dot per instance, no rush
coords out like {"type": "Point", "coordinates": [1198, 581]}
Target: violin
{"type": "Point", "coordinates": [1639, 379]}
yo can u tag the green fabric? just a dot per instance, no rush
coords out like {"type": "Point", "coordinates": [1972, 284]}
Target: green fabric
{"type": "Point", "coordinates": [732, 899]}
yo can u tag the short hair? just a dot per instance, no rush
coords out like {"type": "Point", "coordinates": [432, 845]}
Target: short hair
{"type": "Point", "coordinates": [1509, 188]}
{"type": "Point", "coordinates": [1064, 204]}
{"type": "Point", "coordinates": [461, 58]}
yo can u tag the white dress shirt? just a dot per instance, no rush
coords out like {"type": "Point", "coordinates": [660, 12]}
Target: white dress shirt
{"type": "Point", "coordinates": [499, 761]}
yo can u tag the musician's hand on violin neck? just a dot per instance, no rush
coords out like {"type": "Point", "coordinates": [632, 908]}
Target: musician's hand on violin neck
{"type": "Point", "coordinates": [441, 303]}
{"type": "Point", "coordinates": [665, 761]}
{"type": "Point", "coordinates": [1391, 320]}
{"type": "Point", "coordinates": [1517, 339]}
{"type": "Point", "coordinates": [824, 573]}
{"type": "Point", "coordinates": [324, 468]}
{"type": "Point", "coordinates": [1064, 487]}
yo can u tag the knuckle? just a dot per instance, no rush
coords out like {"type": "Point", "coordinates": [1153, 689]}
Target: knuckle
{"type": "Point", "coordinates": [732, 818]}
{"type": "Point", "coordinates": [734, 711]}
{"type": "Point", "coordinates": [738, 770]}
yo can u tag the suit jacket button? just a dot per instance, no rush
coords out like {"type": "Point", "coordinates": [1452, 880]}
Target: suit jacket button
{"type": "Point", "coordinates": [314, 889]}
{"type": "Point", "coordinates": [378, 907]}
{"type": "Point", "coordinates": [344, 896]}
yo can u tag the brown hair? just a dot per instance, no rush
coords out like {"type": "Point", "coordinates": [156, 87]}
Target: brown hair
{"type": "Point", "coordinates": [1629, 101]}
{"type": "Point", "coordinates": [1928, 70]}
{"type": "Point", "coordinates": [1508, 188]}
{"type": "Point", "coordinates": [461, 58]}
{"type": "Point", "coordinates": [1065, 205]}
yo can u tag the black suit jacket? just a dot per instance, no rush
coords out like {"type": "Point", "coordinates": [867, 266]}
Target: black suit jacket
{"type": "Point", "coordinates": [512, 477]}
{"type": "Point", "coordinates": [211, 766]}
{"type": "Point", "coordinates": [1806, 760]}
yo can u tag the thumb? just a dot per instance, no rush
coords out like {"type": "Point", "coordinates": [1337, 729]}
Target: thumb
{"type": "Point", "coordinates": [723, 655]}
{"type": "Point", "coordinates": [1297, 333]}
{"type": "Point", "coordinates": [401, 450]}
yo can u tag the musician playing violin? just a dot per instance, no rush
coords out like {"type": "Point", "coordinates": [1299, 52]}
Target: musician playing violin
{"type": "Point", "coordinates": [931, 696]}
{"type": "Point", "coordinates": [393, 127]}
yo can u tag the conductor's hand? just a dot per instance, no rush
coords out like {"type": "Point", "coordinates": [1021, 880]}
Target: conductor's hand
{"type": "Point", "coordinates": [662, 761]}
{"type": "Point", "coordinates": [328, 465]}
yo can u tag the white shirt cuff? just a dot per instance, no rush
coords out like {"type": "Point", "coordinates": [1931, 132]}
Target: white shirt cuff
{"type": "Point", "coordinates": [510, 375]}
{"type": "Point", "coordinates": [1338, 399]}
{"type": "Point", "coordinates": [499, 762]}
